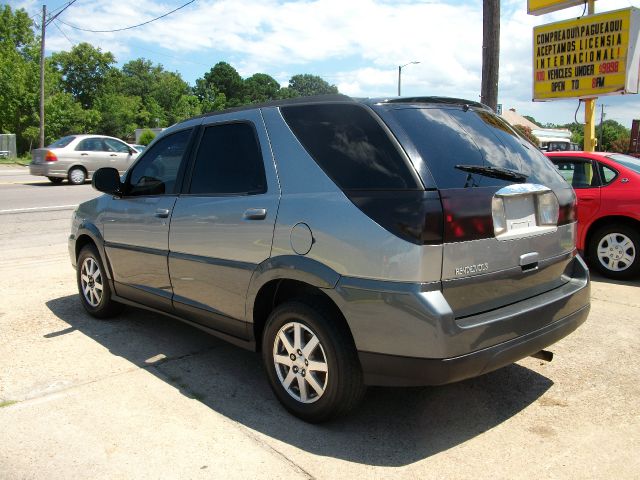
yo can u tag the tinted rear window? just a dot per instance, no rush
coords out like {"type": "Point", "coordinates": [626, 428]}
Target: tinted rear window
{"type": "Point", "coordinates": [450, 136]}
{"type": "Point", "coordinates": [350, 146]}
{"type": "Point", "coordinates": [63, 142]}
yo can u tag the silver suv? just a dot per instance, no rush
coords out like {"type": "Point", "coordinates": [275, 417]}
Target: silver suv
{"type": "Point", "coordinates": [410, 241]}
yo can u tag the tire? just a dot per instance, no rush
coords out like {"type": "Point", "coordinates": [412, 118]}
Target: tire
{"type": "Point", "coordinates": [613, 251]}
{"type": "Point", "coordinates": [55, 180]}
{"type": "Point", "coordinates": [93, 286]}
{"type": "Point", "coordinates": [77, 176]}
{"type": "Point", "coordinates": [318, 384]}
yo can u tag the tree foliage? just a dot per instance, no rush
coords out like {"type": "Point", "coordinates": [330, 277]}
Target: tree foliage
{"type": "Point", "coordinates": [527, 133]}
{"type": "Point", "coordinates": [86, 92]}
{"type": "Point", "coordinates": [146, 137]}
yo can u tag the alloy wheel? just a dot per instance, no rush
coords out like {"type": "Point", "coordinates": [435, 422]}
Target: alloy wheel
{"type": "Point", "coordinates": [91, 282]}
{"type": "Point", "coordinates": [300, 362]}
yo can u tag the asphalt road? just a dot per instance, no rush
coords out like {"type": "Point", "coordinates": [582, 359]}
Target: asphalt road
{"type": "Point", "coordinates": [20, 191]}
{"type": "Point", "coordinates": [142, 396]}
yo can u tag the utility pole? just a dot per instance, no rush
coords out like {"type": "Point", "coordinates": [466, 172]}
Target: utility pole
{"type": "Point", "coordinates": [44, 25]}
{"type": "Point", "coordinates": [601, 127]}
{"type": "Point", "coordinates": [490, 52]}
{"type": "Point", "coordinates": [46, 22]}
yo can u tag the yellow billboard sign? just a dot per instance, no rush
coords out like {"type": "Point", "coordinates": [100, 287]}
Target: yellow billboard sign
{"type": "Point", "coordinates": [587, 57]}
{"type": "Point", "coordinates": [538, 7]}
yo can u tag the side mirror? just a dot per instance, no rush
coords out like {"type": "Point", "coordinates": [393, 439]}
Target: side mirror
{"type": "Point", "coordinates": [107, 180]}
{"type": "Point", "coordinates": [132, 151]}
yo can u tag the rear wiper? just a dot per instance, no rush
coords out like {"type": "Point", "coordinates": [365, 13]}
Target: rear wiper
{"type": "Point", "coordinates": [494, 172]}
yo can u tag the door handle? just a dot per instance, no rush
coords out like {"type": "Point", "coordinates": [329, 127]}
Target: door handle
{"type": "Point", "coordinates": [84, 154]}
{"type": "Point", "coordinates": [162, 213]}
{"type": "Point", "coordinates": [113, 155]}
{"type": "Point", "coordinates": [255, 214]}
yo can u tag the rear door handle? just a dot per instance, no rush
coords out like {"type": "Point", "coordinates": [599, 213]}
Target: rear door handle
{"type": "Point", "coordinates": [162, 213]}
{"type": "Point", "coordinates": [84, 154]}
{"type": "Point", "coordinates": [113, 155]}
{"type": "Point", "coordinates": [255, 214]}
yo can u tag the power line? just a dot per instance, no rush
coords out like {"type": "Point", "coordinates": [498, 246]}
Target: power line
{"type": "Point", "coordinates": [127, 28]}
{"type": "Point", "coordinates": [52, 18]}
{"type": "Point", "coordinates": [62, 32]}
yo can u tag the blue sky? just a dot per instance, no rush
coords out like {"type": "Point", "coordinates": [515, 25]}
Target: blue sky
{"type": "Point", "coordinates": [354, 44]}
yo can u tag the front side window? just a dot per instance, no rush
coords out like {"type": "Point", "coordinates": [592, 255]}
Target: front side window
{"type": "Point", "coordinates": [91, 145]}
{"type": "Point", "coordinates": [229, 162]}
{"type": "Point", "coordinates": [115, 146]}
{"type": "Point", "coordinates": [157, 170]}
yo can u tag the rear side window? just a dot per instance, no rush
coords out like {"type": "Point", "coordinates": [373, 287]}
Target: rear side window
{"type": "Point", "coordinates": [446, 137]}
{"type": "Point", "coordinates": [229, 161]}
{"type": "Point", "coordinates": [350, 146]}
{"type": "Point", "coordinates": [91, 145]}
{"type": "Point", "coordinates": [63, 142]}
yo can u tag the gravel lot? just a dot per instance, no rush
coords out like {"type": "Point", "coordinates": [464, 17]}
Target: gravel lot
{"type": "Point", "coordinates": [145, 397]}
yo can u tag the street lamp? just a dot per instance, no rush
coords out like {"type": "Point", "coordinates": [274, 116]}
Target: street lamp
{"type": "Point", "coordinates": [400, 67]}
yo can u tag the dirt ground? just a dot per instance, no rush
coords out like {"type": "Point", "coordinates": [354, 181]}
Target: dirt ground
{"type": "Point", "coordinates": [142, 396]}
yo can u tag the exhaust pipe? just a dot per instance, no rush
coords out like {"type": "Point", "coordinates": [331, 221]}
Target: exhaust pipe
{"type": "Point", "coordinates": [545, 355]}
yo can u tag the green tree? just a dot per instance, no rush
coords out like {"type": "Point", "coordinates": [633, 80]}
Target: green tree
{"type": "Point", "coordinates": [19, 80]}
{"type": "Point", "coordinates": [119, 114]}
{"type": "Point", "coordinates": [261, 87]}
{"type": "Point", "coordinates": [307, 85]}
{"type": "Point", "coordinates": [531, 119]}
{"type": "Point", "coordinates": [611, 131]}
{"type": "Point", "coordinates": [527, 133]}
{"type": "Point", "coordinates": [222, 79]}
{"type": "Point", "coordinates": [66, 116]}
{"type": "Point", "coordinates": [146, 137]}
{"type": "Point", "coordinates": [620, 144]}
{"type": "Point", "coordinates": [83, 70]}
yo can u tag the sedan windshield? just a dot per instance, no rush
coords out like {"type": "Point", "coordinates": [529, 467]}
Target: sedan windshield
{"type": "Point", "coordinates": [626, 161]}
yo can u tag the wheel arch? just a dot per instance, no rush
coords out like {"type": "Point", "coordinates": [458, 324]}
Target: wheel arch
{"type": "Point", "coordinates": [284, 278]}
{"type": "Point", "coordinates": [89, 234]}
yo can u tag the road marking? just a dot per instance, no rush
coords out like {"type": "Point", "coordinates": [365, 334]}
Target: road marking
{"type": "Point", "coordinates": [38, 209]}
{"type": "Point", "coordinates": [22, 182]}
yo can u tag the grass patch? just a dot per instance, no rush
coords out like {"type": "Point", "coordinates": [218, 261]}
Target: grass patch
{"type": "Point", "coordinates": [7, 403]}
{"type": "Point", "coordinates": [23, 161]}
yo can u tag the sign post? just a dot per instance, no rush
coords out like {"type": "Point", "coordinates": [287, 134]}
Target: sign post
{"type": "Point", "coordinates": [590, 109]}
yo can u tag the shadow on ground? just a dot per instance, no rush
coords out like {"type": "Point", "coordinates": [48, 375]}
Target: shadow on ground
{"type": "Point", "coordinates": [393, 427]}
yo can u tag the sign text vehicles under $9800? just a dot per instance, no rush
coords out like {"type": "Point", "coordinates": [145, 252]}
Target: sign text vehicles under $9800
{"type": "Point", "coordinates": [587, 57]}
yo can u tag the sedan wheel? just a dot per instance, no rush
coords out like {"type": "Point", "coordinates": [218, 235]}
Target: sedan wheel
{"type": "Point", "coordinates": [613, 251]}
{"type": "Point", "coordinates": [77, 176]}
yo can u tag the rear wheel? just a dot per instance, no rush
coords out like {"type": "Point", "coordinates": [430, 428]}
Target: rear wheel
{"type": "Point", "coordinates": [77, 176]}
{"type": "Point", "coordinates": [311, 361]}
{"type": "Point", "coordinates": [93, 286]}
{"type": "Point", "coordinates": [613, 251]}
{"type": "Point", "coordinates": [55, 180]}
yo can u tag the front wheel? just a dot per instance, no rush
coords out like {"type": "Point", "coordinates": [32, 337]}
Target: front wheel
{"type": "Point", "coordinates": [93, 286]}
{"type": "Point", "coordinates": [311, 361]}
{"type": "Point", "coordinates": [613, 251]}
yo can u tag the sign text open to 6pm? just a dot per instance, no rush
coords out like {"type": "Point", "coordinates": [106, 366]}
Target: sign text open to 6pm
{"type": "Point", "coordinates": [587, 57]}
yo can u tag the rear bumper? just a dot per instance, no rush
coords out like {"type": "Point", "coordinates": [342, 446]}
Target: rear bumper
{"type": "Point", "coordinates": [46, 170]}
{"type": "Point", "coordinates": [407, 334]}
{"type": "Point", "coordinates": [391, 370]}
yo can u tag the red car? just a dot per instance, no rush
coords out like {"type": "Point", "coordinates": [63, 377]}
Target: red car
{"type": "Point", "coordinates": [607, 186]}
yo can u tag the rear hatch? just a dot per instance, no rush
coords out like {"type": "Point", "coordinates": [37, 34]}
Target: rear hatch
{"type": "Point", "coordinates": [508, 226]}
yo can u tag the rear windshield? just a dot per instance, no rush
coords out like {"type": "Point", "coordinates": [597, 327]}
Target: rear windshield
{"type": "Point", "coordinates": [626, 161]}
{"type": "Point", "coordinates": [450, 136]}
{"type": "Point", "coordinates": [63, 142]}
{"type": "Point", "coordinates": [349, 144]}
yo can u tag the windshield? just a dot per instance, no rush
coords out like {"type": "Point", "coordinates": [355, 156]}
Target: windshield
{"type": "Point", "coordinates": [63, 142]}
{"type": "Point", "coordinates": [447, 137]}
{"type": "Point", "coordinates": [626, 161]}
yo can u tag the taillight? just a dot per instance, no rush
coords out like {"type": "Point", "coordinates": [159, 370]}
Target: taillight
{"type": "Point", "coordinates": [50, 157]}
